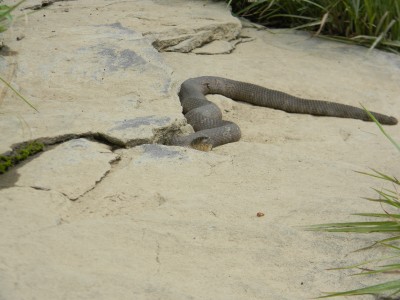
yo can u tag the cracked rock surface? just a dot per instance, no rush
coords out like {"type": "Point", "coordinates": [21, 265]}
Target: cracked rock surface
{"type": "Point", "coordinates": [71, 168]}
{"type": "Point", "coordinates": [91, 73]}
{"type": "Point", "coordinates": [108, 212]}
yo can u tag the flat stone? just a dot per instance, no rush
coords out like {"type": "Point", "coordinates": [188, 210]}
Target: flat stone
{"type": "Point", "coordinates": [85, 73]}
{"type": "Point", "coordinates": [71, 168]}
{"type": "Point", "coordinates": [215, 47]}
{"type": "Point", "coordinates": [38, 209]}
{"type": "Point", "coordinates": [209, 21]}
{"type": "Point", "coordinates": [221, 47]}
{"type": "Point", "coordinates": [93, 63]}
{"type": "Point", "coordinates": [174, 223]}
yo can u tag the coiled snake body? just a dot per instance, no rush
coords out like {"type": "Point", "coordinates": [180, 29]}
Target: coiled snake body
{"type": "Point", "coordinates": [206, 118]}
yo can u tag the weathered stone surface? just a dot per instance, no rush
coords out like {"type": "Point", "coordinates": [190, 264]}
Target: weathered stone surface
{"type": "Point", "coordinates": [209, 21]}
{"type": "Point", "coordinates": [216, 47]}
{"type": "Point", "coordinates": [71, 168]}
{"type": "Point", "coordinates": [106, 73]}
{"type": "Point", "coordinates": [172, 223]}
{"type": "Point", "coordinates": [36, 209]}
{"type": "Point", "coordinates": [187, 41]}
{"type": "Point", "coordinates": [220, 47]}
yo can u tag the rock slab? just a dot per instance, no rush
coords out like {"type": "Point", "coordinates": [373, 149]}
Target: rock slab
{"type": "Point", "coordinates": [158, 222]}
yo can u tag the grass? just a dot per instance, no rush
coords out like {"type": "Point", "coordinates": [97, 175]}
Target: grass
{"type": "Point", "coordinates": [5, 15]}
{"type": "Point", "coordinates": [371, 23]}
{"type": "Point", "coordinates": [5, 21]}
{"type": "Point", "coordinates": [29, 149]}
{"type": "Point", "coordinates": [387, 222]}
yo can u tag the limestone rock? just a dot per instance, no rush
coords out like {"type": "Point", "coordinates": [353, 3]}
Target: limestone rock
{"type": "Point", "coordinates": [168, 222]}
{"type": "Point", "coordinates": [186, 41]}
{"type": "Point", "coordinates": [179, 35]}
{"type": "Point", "coordinates": [84, 76]}
{"type": "Point", "coordinates": [215, 47]}
{"type": "Point", "coordinates": [221, 47]}
{"type": "Point", "coordinates": [71, 168]}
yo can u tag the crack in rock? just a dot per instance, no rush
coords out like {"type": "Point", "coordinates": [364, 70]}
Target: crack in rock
{"type": "Point", "coordinates": [116, 160]}
{"type": "Point", "coordinates": [142, 121]}
{"type": "Point", "coordinates": [221, 47]}
{"type": "Point", "coordinates": [72, 168]}
{"type": "Point", "coordinates": [158, 130]}
{"type": "Point", "coordinates": [74, 164]}
{"type": "Point", "coordinates": [178, 40]}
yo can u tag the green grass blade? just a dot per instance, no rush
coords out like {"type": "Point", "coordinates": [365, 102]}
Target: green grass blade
{"type": "Point", "coordinates": [6, 10]}
{"type": "Point", "coordinates": [381, 22]}
{"type": "Point", "coordinates": [394, 216]}
{"type": "Point", "coordinates": [364, 263]}
{"type": "Point", "coordinates": [392, 43]}
{"type": "Point", "coordinates": [381, 128]}
{"type": "Point", "coordinates": [388, 199]}
{"type": "Point", "coordinates": [357, 227]}
{"type": "Point", "coordinates": [246, 10]}
{"type": "Point", "coordinates": [5, 15]}
{"type": "Point", "coordinates": [390, 246]}
{"type": "Point", "coordinates": [377, 243]}
{"type": "Point", "coordinates": [374, 289]}
{"type": "Point", "coordinates": [18, 94]}
{"type": "Point", "coordinates": [395, 238]}
{"type": "Point", "coordinates": [385, 269]}
{"type": "Point", "coordinates": [386, 214]}
{"type": "Point", "coordinates": [391, 203]}
{"type": "Point", "coordinates": [381, 176]}
{"type": "Point", "coordinates": [315, 4]}
{"type": "Point", "coordinates": [311, 24]}
{"type": "Point", "coordinates": [382, 35]}
{"type": "Point", "coordinates": [386, 177]}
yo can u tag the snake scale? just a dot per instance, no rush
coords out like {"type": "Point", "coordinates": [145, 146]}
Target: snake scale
{"type": "Point", "coordinates": [206, 118]}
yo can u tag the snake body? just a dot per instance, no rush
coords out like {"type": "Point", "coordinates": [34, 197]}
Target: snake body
{"type": "Point", "coordinates": [206, 118]}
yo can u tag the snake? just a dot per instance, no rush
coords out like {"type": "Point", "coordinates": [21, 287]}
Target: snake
{"type": "Point", "coordinates": [210, 130]}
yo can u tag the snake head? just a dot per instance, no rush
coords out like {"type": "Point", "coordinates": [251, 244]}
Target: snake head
{"type": "Point", "coordinates": [201, 143]}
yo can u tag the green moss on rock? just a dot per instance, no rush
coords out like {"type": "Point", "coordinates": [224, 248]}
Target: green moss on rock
{"type": "Point", "coordinates": [7, 161]}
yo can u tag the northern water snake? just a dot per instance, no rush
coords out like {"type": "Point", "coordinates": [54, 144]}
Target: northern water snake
{"type": "Point", "coordinates": [206, 118]}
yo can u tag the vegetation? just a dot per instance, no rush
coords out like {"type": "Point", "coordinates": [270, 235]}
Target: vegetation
{"type": "Point", "coordinates": [386, 222]}
{"type": "Point", "coordinates": [5, 21]}
{"type": "Point", "coordinates": [5, 15]}
{"type": "Point", "coordinates": [19, 155]}
{"type": "Point", "coordinates": [372, 23]}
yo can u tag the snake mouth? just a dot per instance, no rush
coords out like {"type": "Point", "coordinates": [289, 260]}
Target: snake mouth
{"type": "Point", "coordinates": [201, 143]}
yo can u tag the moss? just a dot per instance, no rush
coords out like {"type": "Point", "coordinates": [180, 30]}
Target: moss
{"type": "Point", "coordinates": [7, 161]}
